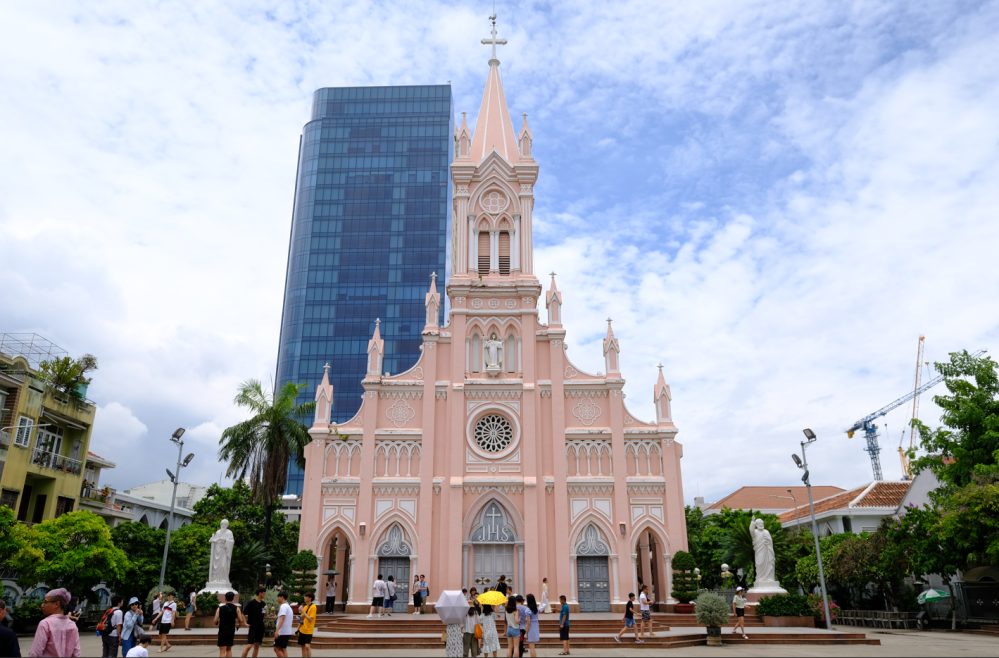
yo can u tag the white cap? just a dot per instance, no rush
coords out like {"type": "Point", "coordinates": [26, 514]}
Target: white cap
{"type": "Point", "coordinates": [738, 589]}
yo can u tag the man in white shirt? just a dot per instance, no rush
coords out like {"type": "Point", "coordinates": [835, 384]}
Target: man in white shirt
{"type": "Point", "coordinates": [140, 650]}
{"type": "Point", "coordinates": [330, 596]}
{"type": "Point", "coordinates": [283, 631]}
{"type": "Point", "coordinates": [378, 600]}
{"type": "Point", "coordinates": [646, 628]}
{"type": "Point", "coordinates": [157, 604]}
{"type": "Point", "coordinates": [165, 618]}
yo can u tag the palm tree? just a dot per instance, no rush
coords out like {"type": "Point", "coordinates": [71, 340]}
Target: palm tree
{"type": "Point", "coordinates": [262, 446]}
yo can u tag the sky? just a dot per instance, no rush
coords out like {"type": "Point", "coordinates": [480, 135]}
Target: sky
{"type": "Point", "coordinates": [773, 200]}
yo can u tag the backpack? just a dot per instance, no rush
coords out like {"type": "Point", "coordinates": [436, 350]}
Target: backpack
{"type": "Point", "coordinates": [105, 620]}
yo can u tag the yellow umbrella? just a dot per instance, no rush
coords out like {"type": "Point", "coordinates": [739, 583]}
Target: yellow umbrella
{"type": "Point", "coordinates": [491, 598]}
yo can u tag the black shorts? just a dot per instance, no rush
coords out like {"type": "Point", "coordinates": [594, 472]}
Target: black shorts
{"type": "Point", "coordinates": [165, 629]}
{"type": "Point", "coordinates": [304, 638]}
{"type": "Point", "coordinates": [417, 601]}
{"type": "Point", "coordinates": [563, 633]}
{"type": "Point", "coordinates": [740, 612]}
{"type": "Point", "coordinates": [377, 601]}
{"type": "Point", "coordinates": [226, 638]}
{"type": "Point", "coordinates": [281, 641]}
{"type": "Point", "coordinates": [255, 635]}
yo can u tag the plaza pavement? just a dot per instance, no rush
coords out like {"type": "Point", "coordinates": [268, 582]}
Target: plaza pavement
{"type": "Point", "coordinates": [893, 643]}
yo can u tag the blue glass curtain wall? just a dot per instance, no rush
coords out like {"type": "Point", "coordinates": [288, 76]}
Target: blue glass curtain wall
{"type": "Point", "coordinates": [371, 221]}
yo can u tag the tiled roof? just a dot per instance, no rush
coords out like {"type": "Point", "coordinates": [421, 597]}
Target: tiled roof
{"type": "Point", "coordinates": [878, 494]}
{"type": "Point", "coordinates": [760, 498]}
{"type": "Point", "coordinates": [93, 455]}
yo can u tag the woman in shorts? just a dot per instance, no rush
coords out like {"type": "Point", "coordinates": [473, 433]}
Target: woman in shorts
{"type": "Point", "coordinates": [512, 627]}
{"type": "Point", "coordinates": [739, 608]}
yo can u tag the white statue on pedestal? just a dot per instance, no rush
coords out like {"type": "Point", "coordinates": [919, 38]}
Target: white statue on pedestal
{"type": "Point", "coordinates": [494, 354]}
{"type": "Point", "coordinates": [221, 559]}
{"type": "Point", "coordinates": [766, 560]}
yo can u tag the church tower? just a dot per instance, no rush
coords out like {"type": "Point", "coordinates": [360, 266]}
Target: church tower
{"type": "Point", "coordinates": [495, 455]}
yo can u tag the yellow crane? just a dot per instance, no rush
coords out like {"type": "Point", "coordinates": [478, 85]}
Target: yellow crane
{"type": "Point", "coordinates": [915, 408]}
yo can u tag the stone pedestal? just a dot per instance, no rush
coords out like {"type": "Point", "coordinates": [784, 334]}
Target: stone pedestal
{"type": "Point", "coordinates": [764, 588]}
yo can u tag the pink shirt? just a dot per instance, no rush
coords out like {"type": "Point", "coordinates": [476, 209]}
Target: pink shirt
{"type": "Point", "coordinates": [56, 636]}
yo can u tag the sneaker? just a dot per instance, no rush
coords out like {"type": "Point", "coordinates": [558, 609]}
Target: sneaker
{"type": "Point", "coordinates": [379, 614]}
{"type": "Point", "coordinates": [617, 639]}
{"type": "Point", "coordinates": [639, 641]}
{"type": "Point", "coordinates": [369, 615]}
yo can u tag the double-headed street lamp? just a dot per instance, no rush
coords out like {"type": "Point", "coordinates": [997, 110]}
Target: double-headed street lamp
{"type": "Point", "coordinates": [795, 500]}
{"type": "Point", "coordinates": [803, 464]}
{"type": "Point", "coordinates": [173, 500]}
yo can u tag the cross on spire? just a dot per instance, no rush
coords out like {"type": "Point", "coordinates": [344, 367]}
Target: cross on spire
{"type": "Point", "coordinates": [493, 41]}
{"type": "Point", "coordinates": [552, 273]}
{"type": "Point", "coordinates": [660, 367]}
{"type": "Point", "coordinates": [609, 320]}
{"type": "Point", "coordinates": [434, 276]}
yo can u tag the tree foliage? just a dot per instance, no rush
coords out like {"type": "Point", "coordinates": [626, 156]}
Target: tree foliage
{"type": "Point", "coordinates": [685, 584]}
{"type": "Point", "coordinates": [74, 550]}
{"type": "Point", "coordinates": [143, 546]}
{"type": "Point", "coordinates": [303, 577]}
{"type": "Point", "coordinates": [68, 375]}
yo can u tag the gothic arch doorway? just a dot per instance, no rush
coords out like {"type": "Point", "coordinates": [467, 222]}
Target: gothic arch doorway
{"type": "Point", "coordinates": [592, 571]}
{"type": "Point", "coordinates": [649, 567]}
{"type": "Point", "coordinates": [393, 562]}
{"type": "Point", "coordinates": [339, 557]}
{"type": "Point", "coordinates": [492, 549]}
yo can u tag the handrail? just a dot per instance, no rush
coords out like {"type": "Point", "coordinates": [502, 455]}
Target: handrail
{"type": "Point", "coordinates": [46, 459]}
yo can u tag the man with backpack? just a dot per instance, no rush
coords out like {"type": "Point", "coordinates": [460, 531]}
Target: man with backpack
{"type": "Point", "coordinates": [110, 628]}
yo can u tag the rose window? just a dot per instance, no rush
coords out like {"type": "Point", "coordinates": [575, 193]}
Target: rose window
{"type": "Point", "coordinates": [493, 433]}
{"type": "Point", "coordinates": [493, 202]}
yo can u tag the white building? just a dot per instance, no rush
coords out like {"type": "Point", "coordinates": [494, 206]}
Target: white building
{"type": "Point", "coordinates": [858, 510]}
{"type": "Point", "coordinates": [161, 492]}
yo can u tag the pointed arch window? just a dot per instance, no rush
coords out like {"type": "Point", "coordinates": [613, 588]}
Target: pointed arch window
{"type": "Point", "coordinates": [483, 252]}
{"type": "Point", "coordinates": [476, 355]}
{"type": "Point", "coordinates": [511, 352]}
{"type": "Point", "coordinates": [504, 253]}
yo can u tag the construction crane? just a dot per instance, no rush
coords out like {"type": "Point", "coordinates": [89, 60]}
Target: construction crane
{"type": "Point", "coordinates": [871, 429]}
{"type": "Point", "coordinates": [915, 410]}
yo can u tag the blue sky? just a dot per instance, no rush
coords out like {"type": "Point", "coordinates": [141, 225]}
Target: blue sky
{"type": "Point", "coordinates": [773, 200]}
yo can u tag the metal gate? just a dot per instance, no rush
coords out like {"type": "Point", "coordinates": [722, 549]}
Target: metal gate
{"type": "Point", "coordinates": [593, 584]}
{"type": "Point", "coordinates": [398, 568]}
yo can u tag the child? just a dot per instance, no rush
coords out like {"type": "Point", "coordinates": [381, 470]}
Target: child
{"type": "Point", "coordinates": [141, 649]}
{"type": "Point", "coordinates": [629, 620]}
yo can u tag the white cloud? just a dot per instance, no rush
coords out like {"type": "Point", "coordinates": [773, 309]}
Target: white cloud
{"type": "Point", "coordinates": [118, 426]}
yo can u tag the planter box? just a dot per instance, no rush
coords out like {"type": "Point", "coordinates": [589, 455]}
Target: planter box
{"type": "Point", "coordinates": [684, 608]}
{"type": "Point", "coordinates": [786, 622]}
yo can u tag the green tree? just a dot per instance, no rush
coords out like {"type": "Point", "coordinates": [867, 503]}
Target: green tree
{"type": "Point", "coordinates": [10, 534]}
{"type": "Point", "coordinates": [143, 546]}
{"type": "Point", "coordinates": [968, 441]}
{"type": "Point", "coordinates": [190, 552]}
{"type": "Point", "coordinates": [74, 550]}
{"type": "Point", "coordinates": [262, 446]}
{"type": "Point", "coordinates": [969, 520]}
{"type": "Point", "coordinates": [303, 576]}
{"type": "Point", "coordinates": [68, 375]}
{"type": "Point", "coordinates": [246, 561]}
{"type": "Point", "coordinates": [703, 539]}
{"type": "Point", "coordinates": [685, 584]}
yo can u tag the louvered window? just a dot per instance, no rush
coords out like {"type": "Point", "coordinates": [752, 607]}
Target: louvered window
{"type": "Point", "coordinates": [504, 253]}
{"type": "Point", "coordinates": [483, 252]}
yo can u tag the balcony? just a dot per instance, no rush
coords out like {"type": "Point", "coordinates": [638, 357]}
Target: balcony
{"type": "Point", "coordinates": [46, 459]}
{"type": "Point", "coordinates": [97, 496]}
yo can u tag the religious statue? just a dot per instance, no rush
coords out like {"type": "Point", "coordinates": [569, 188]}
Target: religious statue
{"type": "Point", "coordinates": [763, 546]}
{"type": "Point", "coordinates": [221, 558]}
{"type": "Point", "coordinates": [494, 352]}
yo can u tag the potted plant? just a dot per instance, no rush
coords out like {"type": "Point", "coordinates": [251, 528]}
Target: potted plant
{"type": "Point", "coordinates": [786, 610]}
{"type": "Point", "coordinates": [302, 578]}
{"type": "Point", "coordinates": [684, 581]}
{"type": "Point", "coordinates": [712, 612]}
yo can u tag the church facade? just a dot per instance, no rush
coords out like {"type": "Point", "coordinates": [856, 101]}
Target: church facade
{"type": "Point", "coordinates": [494, 454]}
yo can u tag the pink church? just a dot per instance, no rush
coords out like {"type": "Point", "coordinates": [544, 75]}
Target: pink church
{"type": "Point", "coordinates": [495, 455]}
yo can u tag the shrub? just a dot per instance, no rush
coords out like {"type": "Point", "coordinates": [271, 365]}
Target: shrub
{"type": "Point", "coordinates": [206, 602]}
{"type": "Point", "coordinates": [27, 614]}
{"type": "Point", "coordinates": [303, 577]}
{"type": "Point", "coordinates": [785, 605]}
{"type": "Point", "coordinates": [819, 611]}
{"type": "Point", "coordinates": [684, 580]}
{"type": "Point", "coordinates": [711, 610]}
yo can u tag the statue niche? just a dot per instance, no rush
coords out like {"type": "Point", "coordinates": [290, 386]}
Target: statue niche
{"type": "Point", "coordinates": [493, 348]}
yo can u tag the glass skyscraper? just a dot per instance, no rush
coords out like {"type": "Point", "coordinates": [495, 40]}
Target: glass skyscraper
{"type": "Point", "coordinates": [371, 222]}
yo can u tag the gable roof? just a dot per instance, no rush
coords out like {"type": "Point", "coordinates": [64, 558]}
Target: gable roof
{"type": "Point", "coordinates": [874, 495]}
{"type": "Point", "coordinates": [762, 498]}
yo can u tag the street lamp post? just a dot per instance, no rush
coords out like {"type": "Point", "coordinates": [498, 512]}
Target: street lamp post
{"type": "Point", "coordinates": [803, 464]}
{"type": "Point", "coordinates": [173, 499]}
{"type": "Point", "coordinates": [791, 498]}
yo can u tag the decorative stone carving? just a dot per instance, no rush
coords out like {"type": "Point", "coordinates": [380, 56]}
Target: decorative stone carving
{"type": "Point", "coordinates": [459, 300]}
{"type": "Point", "coordinates": [430, 345]}
{"type": "Point", "coordinates": [494, 303]}
{"type": "Point", "coordinates": [221, 558]}
{"type": "Point", "coordinates": [476, 303]}
{"type": "Point", "coordinates": [591, 543]}
{"type": "Point", "coordinates": [511, 303]}
{"type": "Point", "coordinates": [418, 372]}
{"type": "Point", "coordinates": [493, 433]}
{"type": "Point", "coordinates": [570, 372]}
{"type": "Point", "coordinates": [528, 302]}
{"type": "Point", "coordinates": [494, 202]}
{"type": "Point", "coordinates": [586, 411]}
{"type": "Point", "coordinates": [494, 527]}
{"type": "Point", "coordinates": [400, 413]}
{"type": "Point", "coordinates": [395, 544]}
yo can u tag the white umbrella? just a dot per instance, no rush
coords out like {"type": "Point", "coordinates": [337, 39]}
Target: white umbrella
{"type": "Point", "coordinates": [452, 607]}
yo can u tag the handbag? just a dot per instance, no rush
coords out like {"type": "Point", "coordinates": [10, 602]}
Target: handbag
{"type": "Point", "coordinates": [444, 636]}
{"type": "Point", "coordinates": [478, 631]}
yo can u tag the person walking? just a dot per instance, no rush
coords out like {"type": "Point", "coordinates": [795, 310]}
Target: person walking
{"type": "Point", "coordinates": [533, 628]}
{"type": "Point", "coordinates": [739, 608]}
{"type": "Point", "coordinates": [165, 618]}
{"type": "Point", "coordinates": [56, 634]}
{"type": "Point", "coordinates": [378, 598]}
{"type": "Point", "coordinates": [563, 625]}
{"type": "Point", "coordinates": [307, 625]}
{"type": "Point", "coordinates": [157, 605]}
{"type": "Point", "coordinates": [111, 635]}
{"type": "Point", "coordinates": [227, 617]}
{"type": "Point", "coordinates": [192, 607]}
{"type": "Point", "coordinates": [283, 630]}
{"type": "Point", "coordinates": [545, 605]}
{"type": "Point", "coordinates": [501, 586]}
{"type": "Point", "coordinates": [390, 599]}
{"type": "Point", "coordinates": [424, 593]}
{"type": "Point", "coordinates": [522, 613]}
{"type": "Point", "coordinates": [646, 611]}
{"type": "Point", "coordinates": [141, 648]}
{"type": "Point", "coordinates": [629, 620]}
{"type": "Point", "coordinates": [490, 638]}
{"type": "Point", "coordinates": [131, 625]}
{"type": "Point", "coordinates": [330, 596]}
{"type": "Point", "coordinates": [9, 645]}
{"type": "Point", "coordinates": [470, 644]}
{"type": "Point", "coordinates": [417, 598]}
{"type": "Point", "coordinates": [512, 627]}
{"type": "Point", "coordinates": [253, 614]}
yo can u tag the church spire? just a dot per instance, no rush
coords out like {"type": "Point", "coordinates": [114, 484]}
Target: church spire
{"type": "Point", "coordinates": [662, 398]}
{"type": "Point", "coordinates": [433, 304]}
{"type": "Point", "coordinates": [612, 351]}
{"type": "Point", "coordinates": [493, 126]}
